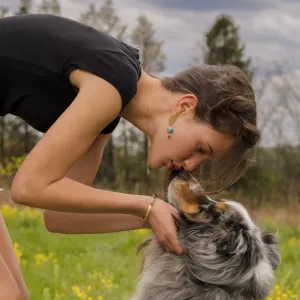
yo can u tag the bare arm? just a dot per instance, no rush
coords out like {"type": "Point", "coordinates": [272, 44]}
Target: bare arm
{"type": "Point", "coordinates": [41, 182]}
{"type": "Point", "coordinates": [84, 171]}
{"type": "Point", "coordinates": [80, 223]}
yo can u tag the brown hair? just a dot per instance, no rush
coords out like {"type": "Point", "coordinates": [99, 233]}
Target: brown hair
{"type": "Point", "coordinates": [226, 102]}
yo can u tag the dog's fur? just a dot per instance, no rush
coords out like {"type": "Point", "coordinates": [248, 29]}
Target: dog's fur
{"type": "Point", "coordinates": [226, 256]}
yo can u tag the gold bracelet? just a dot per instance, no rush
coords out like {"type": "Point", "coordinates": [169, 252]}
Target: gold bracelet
{"type": "Point", "coordinates": [149, 208]}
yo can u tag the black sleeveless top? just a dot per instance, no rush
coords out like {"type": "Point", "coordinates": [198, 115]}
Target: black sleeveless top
{"type": "Point", "coordinates": [37, 54]}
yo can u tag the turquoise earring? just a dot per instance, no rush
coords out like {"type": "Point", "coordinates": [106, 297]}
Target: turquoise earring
{"type": "Point", "coordinates": [172, 120]}
{"type": "Point", "coordinates": [170, 130]}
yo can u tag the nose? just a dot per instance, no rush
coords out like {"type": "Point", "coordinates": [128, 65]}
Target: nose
{"type": "Point", "coordinates": [192, 163]}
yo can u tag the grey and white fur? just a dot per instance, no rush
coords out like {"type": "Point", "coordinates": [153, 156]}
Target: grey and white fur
{"type": "Point", "coordinates": [226, 257]}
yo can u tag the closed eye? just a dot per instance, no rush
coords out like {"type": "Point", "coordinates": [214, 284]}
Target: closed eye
{"type": "Point", "coordinates": [204, 151]}
{"type": "Point", "coordinates": [201, 150]}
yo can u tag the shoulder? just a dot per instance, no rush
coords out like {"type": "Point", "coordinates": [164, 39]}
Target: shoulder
{"type": "Point", "coordinates": [117, 67]}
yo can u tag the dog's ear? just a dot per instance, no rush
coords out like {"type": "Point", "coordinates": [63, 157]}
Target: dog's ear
{"type": "Point", "coordinates": [271, 244]}
{"type": "Point", "coordinates": [186, 198]}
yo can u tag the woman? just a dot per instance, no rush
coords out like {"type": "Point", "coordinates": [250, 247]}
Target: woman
{"type": "Point", "coordinates": [74, 83]}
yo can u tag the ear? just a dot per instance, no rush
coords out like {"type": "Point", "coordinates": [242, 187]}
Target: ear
{"type": "Point", "coordinates": [271, 244]}
{"type": "Point", "coordinates": [186, 104]}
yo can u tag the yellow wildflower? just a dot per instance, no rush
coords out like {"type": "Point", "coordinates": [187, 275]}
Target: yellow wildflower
{"type": "Point", "coordinates": [18, 252]}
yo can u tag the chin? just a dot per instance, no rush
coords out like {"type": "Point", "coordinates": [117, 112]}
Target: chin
{"type": "Point", "coordinates": [226, 255]}
{"type": "Point", "coordinates": [155, 164]}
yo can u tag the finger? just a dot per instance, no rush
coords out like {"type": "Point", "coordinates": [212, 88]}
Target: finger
{"type": "Point", "coordinates": [176, 215]}
{"type": "Point", "coordinates": [177, 248]}
{"type": "Point", "coordinates": [173, 240]}
{"type": "Point", "coordinates": [168, 246]}
{"type": "Point", "coordinates": [158, 237]}
{"type": "Point", "coordinates": [174, 210]}
{"type": "Point", "coordinates": [166, 243]}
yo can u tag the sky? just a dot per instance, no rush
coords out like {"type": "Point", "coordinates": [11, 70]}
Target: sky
{"type": "Point", "coordinates": [270, 29]}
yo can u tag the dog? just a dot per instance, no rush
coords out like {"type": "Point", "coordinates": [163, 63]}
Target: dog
{"type": "Point", "coordinates": [226, 256]}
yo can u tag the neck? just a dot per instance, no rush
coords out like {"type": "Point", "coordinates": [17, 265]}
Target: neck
{"type": "Point", "coordinates": [151, 104]}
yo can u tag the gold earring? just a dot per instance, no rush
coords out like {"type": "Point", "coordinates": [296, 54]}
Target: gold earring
{"type": "Point", "coordinates": [172, 120]}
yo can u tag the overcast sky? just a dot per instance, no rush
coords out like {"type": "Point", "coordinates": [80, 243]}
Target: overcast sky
{"type": "Point", "coordinates": [269, 28]}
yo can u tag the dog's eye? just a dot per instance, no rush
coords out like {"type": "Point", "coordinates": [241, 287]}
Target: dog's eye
{"type": "Point", "coordinates": [229, 224]}
{"type": "Point", "coordinates": [235, 225]}
{"type": "Point", "coordinates": [216, 213]}
{"type": "Point", "coordinates": [212, 210]}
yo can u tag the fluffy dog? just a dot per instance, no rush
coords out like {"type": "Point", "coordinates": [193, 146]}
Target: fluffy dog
{"type": "Point", "coordinates": [226, 256]}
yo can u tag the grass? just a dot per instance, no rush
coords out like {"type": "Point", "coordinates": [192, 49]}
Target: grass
{"type": "Point", "coordinates": [102, 267]}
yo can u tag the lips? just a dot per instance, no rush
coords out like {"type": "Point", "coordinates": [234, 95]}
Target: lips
{"type": "Point", "coordinates": [173, 166]}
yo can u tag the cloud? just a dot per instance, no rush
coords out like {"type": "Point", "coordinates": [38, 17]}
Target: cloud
{"type": "Point", "coordinates": [13, 5]}
{"type": "Point", "coordinates": [279, 107]}
{"type": "Point", "coordinates": [269, 28]}
{"type": "Point", "coordinates": [202, 5]}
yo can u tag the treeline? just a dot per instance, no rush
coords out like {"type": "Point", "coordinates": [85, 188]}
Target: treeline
{"type": "Point", "coordinates": [273, 178]}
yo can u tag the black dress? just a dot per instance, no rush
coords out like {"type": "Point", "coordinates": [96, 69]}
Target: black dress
{"type": "Point", "coordinates": [37, 54]}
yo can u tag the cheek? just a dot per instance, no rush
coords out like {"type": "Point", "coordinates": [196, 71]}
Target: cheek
{"type": "Point", "coordinates": [179, 147]}
{"type": "Point", "coordinates": [182, 148]}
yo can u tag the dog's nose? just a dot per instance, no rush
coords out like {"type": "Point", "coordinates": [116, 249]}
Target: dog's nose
{"type": "Point", "coordinates": [183, 175]}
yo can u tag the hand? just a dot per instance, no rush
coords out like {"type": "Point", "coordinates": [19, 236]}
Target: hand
{"type": "Point", "coordinates": [161, 219]}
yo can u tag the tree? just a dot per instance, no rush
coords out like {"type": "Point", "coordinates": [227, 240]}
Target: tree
{"type": "Point", "coordinates": [151, 54]}
{"type": "Point", "coordinates": [50, 7]}
{"type": "Point", "coordinates": [104, 19]}
{"type": "Point", "coordinates": [223, 45]}
{"type": "Point", "coordinates": [3, 11]}
{"type": "Point", "coordinates": [25, 7]}
{"type": "Point", "coordinates": [152, 61]}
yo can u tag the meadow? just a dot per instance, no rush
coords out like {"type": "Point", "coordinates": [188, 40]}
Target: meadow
{"type": "Point", "coordinates": [106, 267]}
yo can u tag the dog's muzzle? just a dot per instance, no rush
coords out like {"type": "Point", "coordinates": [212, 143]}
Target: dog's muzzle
{"type": "Point", "coordinates": [186, 194]}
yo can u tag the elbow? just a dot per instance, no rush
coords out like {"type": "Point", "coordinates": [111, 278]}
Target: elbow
{"type": "Point", "coordinates": [23, 192]}
{"type": "Point", "coordinates": [19, 194]}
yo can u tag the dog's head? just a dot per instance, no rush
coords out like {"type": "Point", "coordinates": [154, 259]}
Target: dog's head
{"type": "Point", "coordinates": [223, 245]}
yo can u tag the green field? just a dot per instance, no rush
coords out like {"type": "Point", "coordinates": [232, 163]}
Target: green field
{"type": "Point", "coordinates": [102, 267]}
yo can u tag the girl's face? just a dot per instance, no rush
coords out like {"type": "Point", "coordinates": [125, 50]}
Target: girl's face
{"type": "Point", "coordinates": [190, 144]}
